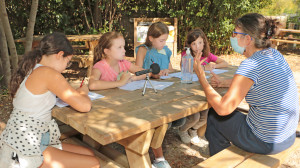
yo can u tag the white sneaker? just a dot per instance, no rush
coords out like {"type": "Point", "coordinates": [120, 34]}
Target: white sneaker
{"type": "Point", "coordinates": [184, 136]}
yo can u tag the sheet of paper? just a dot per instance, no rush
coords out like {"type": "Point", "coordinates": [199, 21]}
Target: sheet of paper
{"type": "Point", "coordinates": [218, 71]}
{"type": "Point", "coordinates": [178, 75]}
{"type": "Point", "coordinates": [92, 96]}
{"type": "Point", "coordinates": [140, 85]}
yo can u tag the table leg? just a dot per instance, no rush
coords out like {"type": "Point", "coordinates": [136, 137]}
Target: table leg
{"type": "Point", "coordinates": [159, 136]}
{"type": "Point", "coordinates": [137, 147]}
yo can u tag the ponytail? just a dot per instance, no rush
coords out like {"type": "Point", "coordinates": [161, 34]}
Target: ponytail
{"type": "Point", "coordinates": [257, 26]}
{"type": "Point", "coordinates": [25, 66]}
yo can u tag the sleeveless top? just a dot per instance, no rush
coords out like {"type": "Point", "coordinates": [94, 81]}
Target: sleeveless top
{"type": "Point", "coordinates": [161, 57]}
{"type": "Point", "coordinates": [36, 106]}
{"type": "Point", "coordinates": [29, 120]}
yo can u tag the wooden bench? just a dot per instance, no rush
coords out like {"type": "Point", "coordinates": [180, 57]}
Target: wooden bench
{"type": "Point", "coordinates": [276, 42]}
{"type": "Point", "coordinates": [68, 135]}
{"type": "Point", "coordinates": [238, 158]}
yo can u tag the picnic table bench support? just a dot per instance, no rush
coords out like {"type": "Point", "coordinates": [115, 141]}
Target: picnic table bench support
{"type": "Point", "coordinates": [137, 147]}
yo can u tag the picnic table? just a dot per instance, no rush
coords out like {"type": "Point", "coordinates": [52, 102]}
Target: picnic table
{"type": "Point", "coordinates": [90, 42]}
{"type": "Point", "coordinates": [282, 39]}
{"type": "Point", "coordinates": [138, 122]}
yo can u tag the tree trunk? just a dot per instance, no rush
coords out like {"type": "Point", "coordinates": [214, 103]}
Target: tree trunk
{"type": "Point", "coordinates": [97, 14]}
{"type": "Point", "coordinates": [30, 26]}
{"type": "Point", "coordinates": [4, 56]}
{"type": "Point", "coordinates": [8, 35]}
{"type": "Point", "coordinates": [85, 16]}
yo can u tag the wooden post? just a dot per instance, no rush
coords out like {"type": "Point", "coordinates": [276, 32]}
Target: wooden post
{"type": "Point", "coordinates": [137, 147]}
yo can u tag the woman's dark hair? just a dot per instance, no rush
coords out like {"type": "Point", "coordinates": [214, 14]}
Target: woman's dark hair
{"type": "Point", "coordinates": [258, 27]}
{"type": "Point", "coordinates": [156, 30]}
{"type": "Point", "coordinates": [105, 42]}
{"type": "Point", "coordinates": [50, 44]}
{"type": "Point", "coordinates": [193, 35]}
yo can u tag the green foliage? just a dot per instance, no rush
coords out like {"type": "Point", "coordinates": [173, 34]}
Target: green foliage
{"type": "Point", "coordinates": [215, 17]}
{"type": "Point", "coordinates": [278, 7]}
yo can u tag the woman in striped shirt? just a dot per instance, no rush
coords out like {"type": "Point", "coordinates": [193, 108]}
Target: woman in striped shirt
{"type": "Point", "coordinates": [266, 81]}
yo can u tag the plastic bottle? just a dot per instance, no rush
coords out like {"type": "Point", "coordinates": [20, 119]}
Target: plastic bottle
{"type": "Point", "coordinates": [187, 62]}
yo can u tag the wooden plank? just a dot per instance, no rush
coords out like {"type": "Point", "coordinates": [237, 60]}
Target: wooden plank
{"type": "Point", "coordinates": [137, 161]}
{"type": "Point", "coordinates": [121, 125]}
{"type": "Point", "coordinates": [115, 155]}
{"type": "Point", "coordinates": [105, 162]}
{"type": "Point", "coordinates": [137, 147]}
{"type": "Point", "coordinates": [229, 157]}
{"type": "Point", "coordinates": [159, 136]}
{"type": "Point", "coordinates": [285, 41]}
{"type": "Point", "coordinates": [270, 161]}
{"type": "Point", "coordinates": [139, 143]}
{"type": "Point", "coordinates": [67, 131]}
{"type": "Point", "coordinates": [88, 140]}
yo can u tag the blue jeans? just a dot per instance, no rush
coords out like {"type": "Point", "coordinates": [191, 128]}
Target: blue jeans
{"type": "Point", "coordinates": [221, 130]}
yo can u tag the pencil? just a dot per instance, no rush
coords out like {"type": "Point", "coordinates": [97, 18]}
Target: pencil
{"type": "Point", "coordinates": [82, 82]}
{"type": "Point", "coordinates": [206, 62]}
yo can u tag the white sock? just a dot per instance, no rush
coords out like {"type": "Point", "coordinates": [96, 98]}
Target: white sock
{"type": "Point", "coordinates": [159, 159]}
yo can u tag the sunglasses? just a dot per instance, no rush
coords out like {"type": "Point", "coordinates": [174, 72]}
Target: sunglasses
{"type": "Point", "coordinates": [234, 33]}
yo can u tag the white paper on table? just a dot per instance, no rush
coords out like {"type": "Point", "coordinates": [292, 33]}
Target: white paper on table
{"type": "Point", "coordinates": [140, 84]}
{"type": "Point", "coordinates": [218, 71]}
{"type": "Point", "coordinates": [92, 96]}
{"type": "Point", "coordinates": [178, 75]}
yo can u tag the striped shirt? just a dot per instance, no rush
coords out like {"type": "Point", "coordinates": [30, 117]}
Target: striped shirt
{"type": "Point", "coordinates": [273, 99]}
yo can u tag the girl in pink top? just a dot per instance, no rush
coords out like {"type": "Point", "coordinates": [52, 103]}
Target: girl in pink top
{"type": "Point", "coordinates": [110, 70]}
{"type": "Point", "coordinates": [198, 43]}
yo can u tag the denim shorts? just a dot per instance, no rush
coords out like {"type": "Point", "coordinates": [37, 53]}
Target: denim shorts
{"type": "Point", "coordinates": [45, 141]}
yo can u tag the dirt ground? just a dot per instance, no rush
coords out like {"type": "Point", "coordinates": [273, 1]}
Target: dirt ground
{"type": "Point", "coordinates": [178, 154]}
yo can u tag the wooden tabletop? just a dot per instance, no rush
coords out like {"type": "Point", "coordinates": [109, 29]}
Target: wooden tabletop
{"type": "Point", "coordinates": [121, 114]}
{"type": "Point", "coordinates": [87, 37]}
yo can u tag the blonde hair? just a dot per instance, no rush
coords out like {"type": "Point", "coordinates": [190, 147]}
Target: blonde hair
{"type": "Point", "coordinates": [105, 42]}
{"type": "Point", "coordinates": [156, 30]}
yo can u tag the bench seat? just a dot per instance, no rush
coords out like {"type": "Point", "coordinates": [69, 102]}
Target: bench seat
{"type": "Point", "coordinates": [238, 158]}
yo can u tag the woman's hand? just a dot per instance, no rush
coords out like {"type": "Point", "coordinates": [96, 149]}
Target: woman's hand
{"type": "Point", "coordinates": [198, 67]}
{"type": "Point", "coordinates": [164, 72]}
{"type": "Point", "coordinates": [217, 81]}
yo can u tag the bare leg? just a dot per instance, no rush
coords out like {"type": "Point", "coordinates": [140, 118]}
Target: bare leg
{"type": "Point", "coordinates": [71, 156]}
{"type": "Point", "coordinates": [158, 152]}
{"type": "Point", "coordinates": [77, 149]}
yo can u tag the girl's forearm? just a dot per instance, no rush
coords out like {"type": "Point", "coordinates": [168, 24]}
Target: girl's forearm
{"type": "Point", "coordinates": [223, 64]}
{"type": "Point", "coordinates": [99, 84]}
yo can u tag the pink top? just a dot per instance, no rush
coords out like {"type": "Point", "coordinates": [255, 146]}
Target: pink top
{"type": "Point", "coordinates": [109, 74]}
{"type": "Point", "coordinates": [210, 58]}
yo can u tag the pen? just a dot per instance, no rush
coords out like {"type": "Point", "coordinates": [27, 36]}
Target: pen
{"type": "Point", "coordinates": [206, 62]}
{"type": "Point", "coordinates": [82, 82]}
